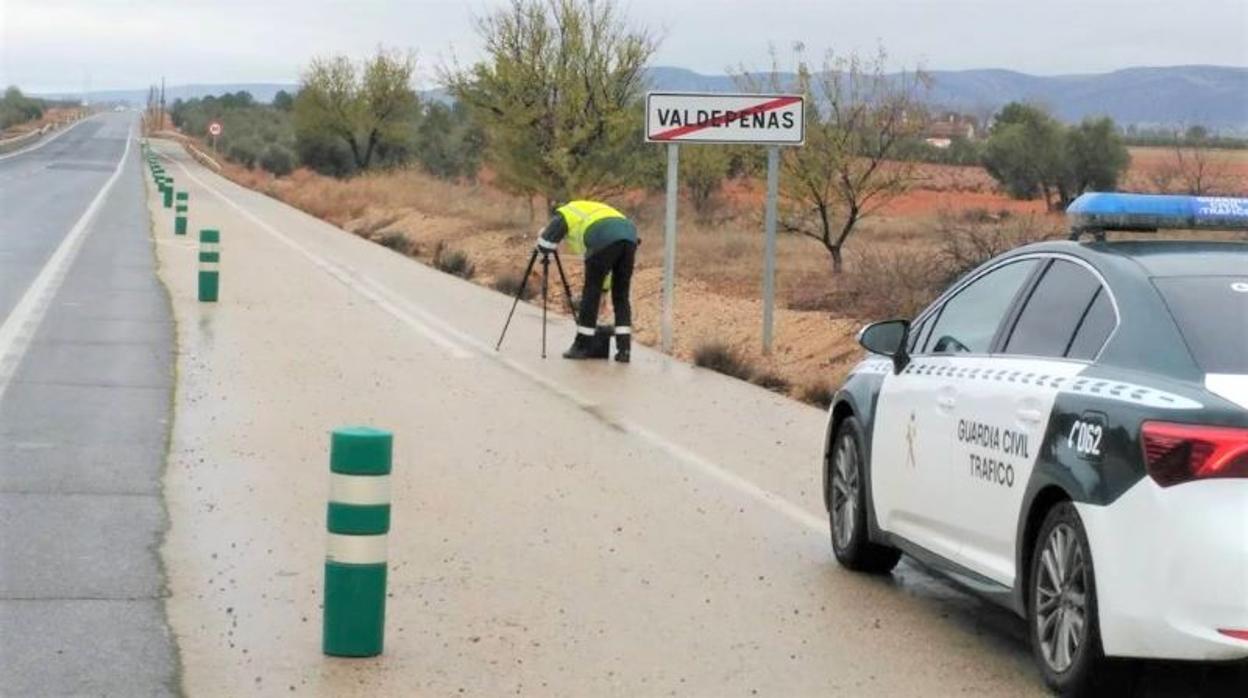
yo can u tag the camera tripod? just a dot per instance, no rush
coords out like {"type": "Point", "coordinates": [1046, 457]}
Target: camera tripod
{"type": "Point", "coordinates": [567, 292]}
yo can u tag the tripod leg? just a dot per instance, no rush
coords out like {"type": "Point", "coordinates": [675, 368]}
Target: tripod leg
{"type": "Point", "coordinates": [519, 294]}
{"type": "Point", "coordinates": [567, 289]}
{"type": "Point", "coordinates": [545, 291]}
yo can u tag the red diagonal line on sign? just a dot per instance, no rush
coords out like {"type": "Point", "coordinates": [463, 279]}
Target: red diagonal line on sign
{"type": "Point", "coordinates": [720, 121]}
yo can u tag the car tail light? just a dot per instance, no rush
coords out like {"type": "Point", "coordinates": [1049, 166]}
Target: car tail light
{"type": "Point", "coordinates": [1178, 453]}
{"type": "Point", "coordinates": [1237, 634]}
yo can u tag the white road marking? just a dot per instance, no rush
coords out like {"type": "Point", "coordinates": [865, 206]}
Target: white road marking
{"type": "Point", "coordinates": [425, 321]}
{"type": "Point", "coordinates": [46, 141]}
{"type": "Point", "coordinates": [339, 272]}
{"type": "Point", "coordinates": [19, 327]}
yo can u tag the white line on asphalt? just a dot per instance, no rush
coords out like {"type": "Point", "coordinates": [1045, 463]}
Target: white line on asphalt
{"type": "Point", "coordinates": [408, 312]}
{"type": "Point", "coordinates": [342, 274]}
{"type": "Point", "coordinates": [42, 143]}
{"type": "Point", "coordinates": [19, 327]}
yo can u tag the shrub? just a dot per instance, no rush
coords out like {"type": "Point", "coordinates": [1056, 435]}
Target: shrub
{"type": "Point", "coordinates": [510, 283]}
{"type": "Point", "coordinates": [453, 262]}
{"type": "Point", "coordinates": [278, 159]}
{"type": "Point", "coordinates": [964, 247]}
{"type": "Point", "coordinates": [243, 152]}
{"type": "Point", "coordinates": [327, 157]}
{"type": "Point", "coordinates": [771, 381]}
{"type": "Point", "coordinates": [881, 283]}
{"type": "Point", "coordinates": [720, 357]}
{"type": "Point", "coordinates": [399, 242]}
{"type": "Point", "coordinates": [818, 394]}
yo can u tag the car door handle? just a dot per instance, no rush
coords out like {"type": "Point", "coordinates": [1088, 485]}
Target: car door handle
{"type": "Point", "coordinates": [946, 402]}
{"type": "Point", "coordinates": [1030, 416]}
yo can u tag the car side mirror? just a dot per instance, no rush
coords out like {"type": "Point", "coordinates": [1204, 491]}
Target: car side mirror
{"type": "Point", "coordinates": [887, 338]}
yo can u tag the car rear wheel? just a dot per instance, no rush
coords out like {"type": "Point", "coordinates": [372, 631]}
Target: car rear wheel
{"type": "Point", "coordinates": [847, 505]}
{"type": "Point", "coordinates": [1062, 613]}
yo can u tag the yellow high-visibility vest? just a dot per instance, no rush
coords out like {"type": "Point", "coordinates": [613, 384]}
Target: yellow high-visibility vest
{"type": "Point", "coordinates": [579, 215]}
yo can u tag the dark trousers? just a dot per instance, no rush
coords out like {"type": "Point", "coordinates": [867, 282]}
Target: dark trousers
{"type": "Point", "coordinates": [616, 259]}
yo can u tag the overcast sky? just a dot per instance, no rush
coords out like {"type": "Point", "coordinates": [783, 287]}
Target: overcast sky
{"type": "Point", "coordinates": [58, 45]}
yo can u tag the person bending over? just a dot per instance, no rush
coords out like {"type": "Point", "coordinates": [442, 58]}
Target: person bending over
{"type": "Point", "coordinates": [608, 241]}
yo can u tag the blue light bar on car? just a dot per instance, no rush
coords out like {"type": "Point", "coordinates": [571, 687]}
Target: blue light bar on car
{"type": "Point", "coordinates": [1152, 212]}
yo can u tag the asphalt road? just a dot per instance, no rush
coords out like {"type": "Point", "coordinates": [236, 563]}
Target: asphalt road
{"type": "Point", "coordinates": [86, 359]}
{"type": "Point", "coordinates": [559, 528]}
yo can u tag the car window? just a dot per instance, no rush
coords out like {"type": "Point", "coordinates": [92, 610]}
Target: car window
{"type": "Point", "coordinates": [1212, 314]}
{"type": "Point", "coordinates": [1057, 304]}
{"type": "Point", "coordinates": [968, 321]}
{"type": "Point", "coordinates": [1097, 324]}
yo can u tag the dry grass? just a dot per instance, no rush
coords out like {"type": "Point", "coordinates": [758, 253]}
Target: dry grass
{"type": "Point", "coordinates": [819, 394]}
{"type": "Point", "coordinates": [454, 262]}
{"type": "Point", "coordinates": [895, 262]}
{"type": "Point", "coordinates": [718, 356]}
{"type": "Point", "coordinates": [510, 283]}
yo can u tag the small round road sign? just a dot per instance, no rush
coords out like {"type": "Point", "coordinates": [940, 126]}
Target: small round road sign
{"type": "Point", "coordinates": [214, 128]}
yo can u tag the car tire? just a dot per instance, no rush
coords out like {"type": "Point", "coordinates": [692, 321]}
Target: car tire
{"type": "Point", "coordinates": [1062, 608]}
{"type": "Point", "coordinates": [847, 505]}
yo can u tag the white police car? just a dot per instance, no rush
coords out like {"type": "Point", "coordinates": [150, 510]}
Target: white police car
{"type": "Point", "coordinates": [1065, 431]}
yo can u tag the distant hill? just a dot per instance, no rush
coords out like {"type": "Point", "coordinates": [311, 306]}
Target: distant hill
{"type": "Point", "coordinates": [1213, 96]}
{"type": "Point", "coordinates": [262, 91]}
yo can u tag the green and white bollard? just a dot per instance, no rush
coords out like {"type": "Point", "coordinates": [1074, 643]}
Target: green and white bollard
{"type": "Point", "coordinates": [179, 218]}
{"type": "Point", "coordinates": [355, 562]}
{"type": "Point", "coordinates": [169, 192]}
{"type": "Point", "coordinates": [209, 265]}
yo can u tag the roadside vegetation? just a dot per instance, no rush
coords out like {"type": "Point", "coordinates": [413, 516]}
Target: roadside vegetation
{"type": "Point", "coordinates": [18, 111]}
{"type": "Point", "coordinates": [880, 211]}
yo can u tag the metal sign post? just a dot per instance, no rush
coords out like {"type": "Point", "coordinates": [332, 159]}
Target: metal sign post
{"type": "Point", "coordinates": [669, 247]}
{"type": "Point", "coordinates": [772, 120]}
{"type": "Point", "coordinates": [214, 130]}
{"type": "Point", "coordinates": [769, 247]}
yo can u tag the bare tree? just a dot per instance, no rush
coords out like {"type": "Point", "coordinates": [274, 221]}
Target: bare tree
{"type": "Point", "coordinates": [857, 116]}
{"type": "Point", "coordinates": [1195, 166]}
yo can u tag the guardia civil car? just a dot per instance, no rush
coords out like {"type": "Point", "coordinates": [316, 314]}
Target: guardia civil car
{"type": "Point", "coordinates": [1065, 431]}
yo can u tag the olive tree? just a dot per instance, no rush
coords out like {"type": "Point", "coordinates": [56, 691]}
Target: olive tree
{"type": "Point", "coordinates": [558, 95]}
{"type": "Point", "coordinates": [366, 107]}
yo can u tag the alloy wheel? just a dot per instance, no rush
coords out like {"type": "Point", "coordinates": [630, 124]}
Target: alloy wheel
{"type": "Point", "coordinates": [1061, 597]}
{"type": "Point", "coordinates": [845, 481]}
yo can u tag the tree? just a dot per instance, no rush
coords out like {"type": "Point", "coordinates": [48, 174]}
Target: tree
{"type": "Point", "coordinates": [283, 100]}
{"type": "Point", "coordinates": [1025, 152]}
{"type": "Point", "coordinates": [558, 96]}
{"type": "Point", "coordinates": [1095, 159]}
{"type": "Point", "coordinates": [1031, 154]}
{"type": "Point", "coordinates": [857, 119]}
{"type": "Point", "coordinates": [703, 169]}
{"type": "Point", "coordinates": [16, 108]}
{"type": "Point", "coordinates": [449, 142]}
{"type": "Point", "coordinates": [1195, 167]}
{"type": "Point", "coordinates": [367, 108]}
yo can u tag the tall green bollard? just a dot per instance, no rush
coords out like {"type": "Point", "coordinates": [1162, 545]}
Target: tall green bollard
{"type": "Point", "coordinates": [209, 265]}
{"type": "Point", "coordinates": [169, 192]}
{"type": "Point", "coordinates": [358, 521]}
{"type": "Point", "coordinates": [179, 217]}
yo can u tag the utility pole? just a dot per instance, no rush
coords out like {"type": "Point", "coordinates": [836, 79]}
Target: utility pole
{"type": "Point", "coordinates": [161, 126]}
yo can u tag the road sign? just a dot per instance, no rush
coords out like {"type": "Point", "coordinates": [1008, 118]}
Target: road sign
{"type": "Point", "coordinates": [696, 117]}
{"type": "Point", "coordinates": [743, 119]}
{"type": "Point", "coordinates": [214, 129]}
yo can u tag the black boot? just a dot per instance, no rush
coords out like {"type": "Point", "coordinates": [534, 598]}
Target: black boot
{"type": "Point", "coordinates": [579, 348]}
{"type": "Point", "coordinates": [623, 347]}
